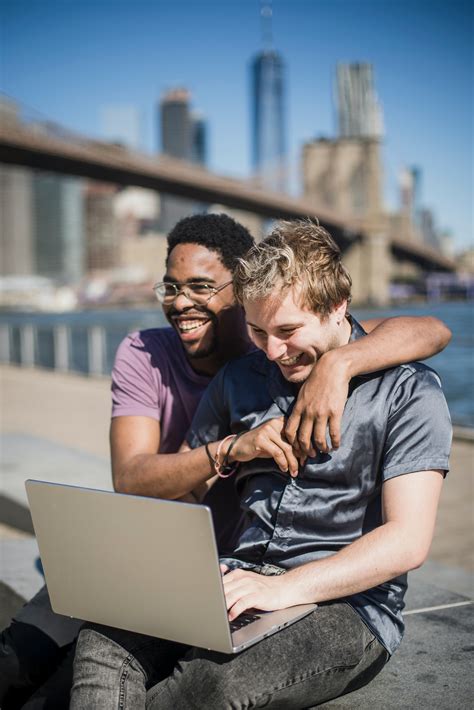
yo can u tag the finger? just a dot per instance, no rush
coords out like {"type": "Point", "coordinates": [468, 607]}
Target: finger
{"type": "Point", "coordinates": [335, 430]}
{"type": "Point", "coordinates": [298, 453]}
{"type": "Point", "coordinates": [238, 591]}
{"type": "Point", "coordinates": [290, 458]}
{"type": "Point", "coordinates": [276, 451]}
{"type": "Point", "coordinates": [319, 434]}
{"type": "Point", "coordinates": [249, 601]}
{"type": "Point", "coordinates": [304, 437]}
{"type": "Point", "coordinates": [292, 425]}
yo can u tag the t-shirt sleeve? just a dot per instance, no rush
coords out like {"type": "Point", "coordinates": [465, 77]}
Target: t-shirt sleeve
{"type": "Point", "coordinates": [136, 384]}
{"type": "Point", "coordinates": [419, 427]}
{"type": "Point", "coordinates": [211, 420]}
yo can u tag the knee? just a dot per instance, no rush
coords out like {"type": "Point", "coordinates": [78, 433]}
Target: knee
{"type": "Point", "coordinates": [208, 681]}
{"type": "Point", "coordinates": [102, 670]}
{"type": "Point", "coordinates": [99, 651]}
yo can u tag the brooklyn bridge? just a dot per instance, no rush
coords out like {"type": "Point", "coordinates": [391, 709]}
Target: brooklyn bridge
{"type": "Point", "coordinates": [371, 255]}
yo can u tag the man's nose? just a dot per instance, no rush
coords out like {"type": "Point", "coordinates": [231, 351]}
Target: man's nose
{"type": "Point", "coordinates": [181, 299]}
{"type": "Point", "coordinates": [275, 348]}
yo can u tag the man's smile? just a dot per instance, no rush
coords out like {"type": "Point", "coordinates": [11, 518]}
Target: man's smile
{"type": "Point", "coordinates": [188, 324]}
{"type": "Point", "coordinates": [289, 361]}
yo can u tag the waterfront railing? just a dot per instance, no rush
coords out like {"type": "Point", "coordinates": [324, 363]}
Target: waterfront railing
{"type": "Point", "coordinates": [87, 349]}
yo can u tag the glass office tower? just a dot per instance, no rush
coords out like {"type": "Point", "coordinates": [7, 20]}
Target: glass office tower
{"type": "Point", "coordinates": [359, 110]}
{"type": "Point", "coordinates": [268, 124]}
{"type": "Point", "coordinates": [183, 136]}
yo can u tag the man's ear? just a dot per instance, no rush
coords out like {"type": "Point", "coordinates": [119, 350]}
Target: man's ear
{"type": "Point", "coordinates": [340, 311]}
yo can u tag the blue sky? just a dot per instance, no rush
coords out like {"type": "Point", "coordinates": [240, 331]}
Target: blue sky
{"type": "Point", "coordinates": [68, 59]}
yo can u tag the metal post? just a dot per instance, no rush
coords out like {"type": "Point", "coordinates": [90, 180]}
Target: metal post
{"type": "Point", "coordinates": [5, 351]}
{"type": "Point", "coordinates": [27, 345]}
{"type": "Point", "coordinates": [61, 348]}
{"type": "Point", "coordinates": [96, 350]}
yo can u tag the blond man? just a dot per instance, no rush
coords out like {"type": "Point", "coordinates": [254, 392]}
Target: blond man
{"type": "Point", "coordinates": [340, 528]}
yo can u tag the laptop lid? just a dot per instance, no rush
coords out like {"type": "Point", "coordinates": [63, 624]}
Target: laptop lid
{"type": "Point", "coordinates": [142, 564]}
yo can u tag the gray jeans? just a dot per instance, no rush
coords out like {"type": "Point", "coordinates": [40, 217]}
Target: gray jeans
{"type": "Point", "coordinates": [326, 654]}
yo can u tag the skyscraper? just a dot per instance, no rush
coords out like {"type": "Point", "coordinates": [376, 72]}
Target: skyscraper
{"type": "Point", "coordinates": [183, 131]}
{"type": "Point", "coordinates": [58, 226]}
{"type": "Point", "coordinates": [16, 221]}
{"type": "Point", "coordinates": [198, 138]}
{"type": "Point", "coordinates": [359, 111]}
{"type": "Point", "coordinates": [268, 132]}
{"type": "Point", "coordinates": [183, 136]}
{"type": "Point", "coordinates": [268, 98]}
{"type": "Point", "coordinates": [176, 124]}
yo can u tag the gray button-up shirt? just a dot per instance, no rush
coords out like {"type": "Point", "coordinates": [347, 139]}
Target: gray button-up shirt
{"type": "Point", "coordinates": [395, 422]}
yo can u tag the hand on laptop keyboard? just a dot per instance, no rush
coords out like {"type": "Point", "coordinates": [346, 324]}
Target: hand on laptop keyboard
{"type": "Point", "coordinates": [243, 620]}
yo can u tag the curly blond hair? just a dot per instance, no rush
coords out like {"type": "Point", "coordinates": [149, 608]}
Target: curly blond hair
{"type": "Point", "coordinates": [296, 252]}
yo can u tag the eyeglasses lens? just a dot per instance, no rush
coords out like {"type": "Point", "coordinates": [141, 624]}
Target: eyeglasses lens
{"type": "Point", "coordinates": [197, 293]}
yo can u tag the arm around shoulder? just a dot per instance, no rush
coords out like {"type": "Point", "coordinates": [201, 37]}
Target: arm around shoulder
{"type": "Point", "coordinates": [322, 397]}
{"type": "Point", "coordinates": [401, 339]}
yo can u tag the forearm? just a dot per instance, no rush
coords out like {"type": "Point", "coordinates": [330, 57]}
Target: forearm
{"type": "Point", "coordinates": [375, 558]}
{"type": "Point", "coordinates": [393, 342]}
{"type": "Point", "coordinates": [168, 476]}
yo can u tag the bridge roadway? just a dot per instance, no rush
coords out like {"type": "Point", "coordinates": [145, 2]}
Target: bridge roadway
{"type": "Point", "coordinates": [67, 153]}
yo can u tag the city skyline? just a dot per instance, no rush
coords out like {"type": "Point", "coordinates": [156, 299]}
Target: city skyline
{"type": "Point", "coordinates": [88, 55]}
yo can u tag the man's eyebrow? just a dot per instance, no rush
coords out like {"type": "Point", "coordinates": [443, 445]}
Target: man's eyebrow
{"type": "Point", "coordinates": [192, 280]}
{"type": "Point", "coordinates": [297, 324]}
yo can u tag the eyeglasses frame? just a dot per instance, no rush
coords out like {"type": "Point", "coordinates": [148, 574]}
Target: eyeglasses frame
{"type": "Point", "coordinates": [181, 288]}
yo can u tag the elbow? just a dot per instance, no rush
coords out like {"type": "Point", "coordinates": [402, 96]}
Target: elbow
{"type": "Point", "coordinates": [444, 334]}
{"type": "Point", "coordinates": [417, 562]}
{"type": "Point", "coordinates": [121, 482]}
{"type": "Point", "coordinates": [417, 558]}
{"type": "Point", "coordinates": [120, 486]}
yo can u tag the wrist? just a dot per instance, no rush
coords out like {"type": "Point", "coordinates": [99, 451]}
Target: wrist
{"type": "Point", "coordinates": [218, 456]}
{"type": "Point", "coordinates": [231, 454]}
{"type": "Point", "coordinates": [342, 361]}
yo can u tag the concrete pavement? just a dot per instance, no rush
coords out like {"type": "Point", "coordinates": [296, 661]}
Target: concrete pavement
{"type": "Point", "coordinates": [55, 427]}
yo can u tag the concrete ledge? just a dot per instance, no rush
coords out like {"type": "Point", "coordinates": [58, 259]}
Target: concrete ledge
{"type": "Point", "coordinates": [432, 668]}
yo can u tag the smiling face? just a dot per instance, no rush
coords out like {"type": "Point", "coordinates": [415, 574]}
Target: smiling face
{"type": "Point", "coordinates": [211, 332]}
{"type": "Point", "coordinates": [291, 335]}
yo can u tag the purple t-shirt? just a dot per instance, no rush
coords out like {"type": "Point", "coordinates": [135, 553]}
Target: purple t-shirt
{"type": "Point", "coordinates": [151, 377]}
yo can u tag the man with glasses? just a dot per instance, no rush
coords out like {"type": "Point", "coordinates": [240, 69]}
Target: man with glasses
{"type": "Point", "coordinates": [340, 529]}
{"type": "Point", "coordinates": [158, 379]}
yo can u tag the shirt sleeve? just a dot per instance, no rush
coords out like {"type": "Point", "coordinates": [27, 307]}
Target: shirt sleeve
{"type": "Point", "coordinates": [211, 420]}
{"type": "Point", "coordinates": [419, 427]}
{"type": "Point", "coordinates": [136, 385]}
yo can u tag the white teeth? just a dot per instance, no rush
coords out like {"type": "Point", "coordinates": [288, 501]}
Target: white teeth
{"type": "Point", "coordinates": [186, 326]}
{"type": "Point", "coordinates": [290, 360]}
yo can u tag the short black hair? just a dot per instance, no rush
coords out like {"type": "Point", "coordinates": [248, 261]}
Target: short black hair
{"type": "Point", "coordinates": [217, 232]}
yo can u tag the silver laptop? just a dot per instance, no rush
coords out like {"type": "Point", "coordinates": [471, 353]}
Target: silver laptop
{"type": "Point", "coordinates": [142, 564]}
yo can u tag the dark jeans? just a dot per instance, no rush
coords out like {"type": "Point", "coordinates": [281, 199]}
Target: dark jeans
{"type": "Point", "coordinates": [36, 653]}
{"type": "Point", "coordinates": [326, 654]}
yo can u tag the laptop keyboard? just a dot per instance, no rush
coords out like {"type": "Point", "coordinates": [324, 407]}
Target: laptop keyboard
{"type": "Point", "coordinates": [242, 621]}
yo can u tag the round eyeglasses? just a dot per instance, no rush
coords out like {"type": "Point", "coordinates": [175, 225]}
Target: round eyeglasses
{"type": "Point", "coordinates": [198, 293]}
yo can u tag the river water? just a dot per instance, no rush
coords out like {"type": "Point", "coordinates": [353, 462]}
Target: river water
{"type": "Point", "coordinates": [455, 365]}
